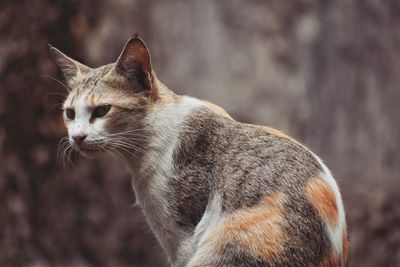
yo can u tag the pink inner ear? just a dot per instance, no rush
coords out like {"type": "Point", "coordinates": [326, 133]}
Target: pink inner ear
{"type": "Point", "coordinates": [135, 54]}
{"type": "Point", "coordinates": [141, 55]}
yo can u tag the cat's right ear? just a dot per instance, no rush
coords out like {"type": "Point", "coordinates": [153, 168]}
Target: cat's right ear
{"type": "Point", "coordinates": [69, 67]}
{"type": "Point", "coordinates": [135, 65]}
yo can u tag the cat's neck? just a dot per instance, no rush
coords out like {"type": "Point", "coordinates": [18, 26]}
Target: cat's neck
{"type": "Point", "coordinates": [154, 169]}
{"type": "Point", "coordinates": [163, 125]}
{"type": "Point", "coordinates": [161, 129]}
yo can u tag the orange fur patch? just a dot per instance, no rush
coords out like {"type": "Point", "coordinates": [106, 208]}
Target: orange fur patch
{"type": "Point", "coordinates": [323, 199]}
{"type": "Point", "coordinates": [256, 229]}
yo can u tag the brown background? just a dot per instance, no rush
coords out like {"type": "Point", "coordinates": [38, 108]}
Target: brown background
{"type": "Point", "coordinates": [327, 72]}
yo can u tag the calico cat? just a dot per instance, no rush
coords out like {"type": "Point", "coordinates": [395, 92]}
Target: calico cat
{"type": "Point", "coordinates": [215, 192]}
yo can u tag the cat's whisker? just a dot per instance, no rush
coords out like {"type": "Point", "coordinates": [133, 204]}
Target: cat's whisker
{"type": "Point", "coordinates": [112, 154]}
{"type": "Point", "coordinates": [60, 152]}
{"type": "Point", "coordinates": [58, 105]}
{"type": "Point", "coordinates": [64, 163]}
{"type": "Point", "coordinates": [128, 141]}
{"type": "Point", "coordinates": [71, 151]}
{"type": "Point", "coordinates": [112, 151]}
{"type": "Point", "coordinates": [117, 153]}
{"type": "Point", "coordinates": [136, 131]}
{"type": "Point", "coordinates": [124, 148]}
{"type": "Point", "coordinates": [127, 151]}
{"type": "Point", "coordinates": [58, 94]}
{"type": "Point", "coordinates": [65, 156]}
{"type": "Point", "coordinates": [64, 151]}
{"type": "Point", "coordinates": [127, 138]}
{"type": "Point", "coordinates": [58, 81]}
{"type": "Point", "coordinates": [102, 149]}
{"type": "Point", "coordinates": [128, 145]}
{"type": "Point", "coordinates": [62, 145]}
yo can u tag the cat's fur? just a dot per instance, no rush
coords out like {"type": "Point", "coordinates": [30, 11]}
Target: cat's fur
{"type": "Point", "coordinates": [215, 192]}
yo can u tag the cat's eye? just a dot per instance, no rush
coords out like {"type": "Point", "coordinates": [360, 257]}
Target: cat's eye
{"type": "Point", "coordinates": [70, 113]}
{"type": "Point", "coordinates": [101, 111]}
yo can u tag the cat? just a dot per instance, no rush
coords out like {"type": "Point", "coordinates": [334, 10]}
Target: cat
{"type": "Point", "coordinates": [215, 192]}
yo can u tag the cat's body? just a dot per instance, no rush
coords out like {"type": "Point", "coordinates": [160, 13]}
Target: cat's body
{"type": "Point", "coordinates": [215, 192]}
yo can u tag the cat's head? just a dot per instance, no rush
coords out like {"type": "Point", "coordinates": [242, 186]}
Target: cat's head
{"type": "Point", "coordinates": [105, 107]}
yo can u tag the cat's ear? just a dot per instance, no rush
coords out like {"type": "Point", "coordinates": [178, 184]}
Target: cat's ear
{"type": "Point", "coordinates": [70, 67]}
{"type": "Point", "coordinates": [134, 63]}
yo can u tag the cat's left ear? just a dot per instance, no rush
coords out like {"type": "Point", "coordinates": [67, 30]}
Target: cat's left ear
{"type": "Point", "coordinates": [135, 65]}
{"type": "Point", "coordinates": [70, 67]}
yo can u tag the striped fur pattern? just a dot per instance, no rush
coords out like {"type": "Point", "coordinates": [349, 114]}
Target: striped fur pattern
{"type": "Point", "coordinates": [215, 192]}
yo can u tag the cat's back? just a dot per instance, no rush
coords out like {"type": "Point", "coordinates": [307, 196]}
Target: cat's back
{"type": "Point", "coordinates": [276, 202]}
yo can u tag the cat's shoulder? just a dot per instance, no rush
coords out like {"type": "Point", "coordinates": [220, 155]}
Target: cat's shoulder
{"type": "Point", "coordinates": [207, 114]}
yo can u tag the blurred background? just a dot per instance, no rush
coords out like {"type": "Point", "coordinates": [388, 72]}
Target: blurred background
{"type": "Point", "coordinates": [326, 72]}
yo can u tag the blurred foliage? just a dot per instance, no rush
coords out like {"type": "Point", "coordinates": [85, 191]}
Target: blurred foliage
{"type": "Point", "coordinates": [327, 72]}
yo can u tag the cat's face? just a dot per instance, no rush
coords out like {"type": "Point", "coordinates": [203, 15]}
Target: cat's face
{"type": "Point", "coordinates": [105, 107]}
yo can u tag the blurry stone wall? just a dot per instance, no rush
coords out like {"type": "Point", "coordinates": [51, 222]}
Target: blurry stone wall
{"type": "Point", "coordinates": [326, 72]}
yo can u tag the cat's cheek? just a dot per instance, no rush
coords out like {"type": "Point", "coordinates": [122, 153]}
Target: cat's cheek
{"type": "Point", "coordinates": [99, 126]}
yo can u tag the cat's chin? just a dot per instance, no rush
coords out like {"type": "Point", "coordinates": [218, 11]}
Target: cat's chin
{"type": "Point", "coordinates": [91, 153]}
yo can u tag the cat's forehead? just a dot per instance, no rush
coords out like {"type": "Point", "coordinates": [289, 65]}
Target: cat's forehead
{"type": "Point", "coordinates": [91, 79]}
{"type": "Point", "coordinates": [87, 99]}
{"type": "Point", "coordinates": [92, 87]}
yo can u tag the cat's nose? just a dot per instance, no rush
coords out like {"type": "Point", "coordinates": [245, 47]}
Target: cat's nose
{"type": "Point", "coordinates": [78, 139]}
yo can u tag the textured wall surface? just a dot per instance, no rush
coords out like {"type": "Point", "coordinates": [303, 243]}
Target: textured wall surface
{"type": "Point", "coordinates": [326, 72]}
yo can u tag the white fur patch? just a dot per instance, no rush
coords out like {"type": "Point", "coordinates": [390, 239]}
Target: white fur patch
{"type": "Point", "coordinates": [166, 123]}
{"type": "Point", "coordinates": [81, 123]}
{"type": "Point", "coordinates": [212, 218]}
